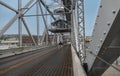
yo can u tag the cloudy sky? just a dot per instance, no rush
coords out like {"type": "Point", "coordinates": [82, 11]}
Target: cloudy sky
{"type": "Point", "coordinates": [91, 10]}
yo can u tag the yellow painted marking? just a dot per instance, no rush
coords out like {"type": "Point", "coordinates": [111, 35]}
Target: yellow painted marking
{"type": "Point", "coordinates": [23, 62]}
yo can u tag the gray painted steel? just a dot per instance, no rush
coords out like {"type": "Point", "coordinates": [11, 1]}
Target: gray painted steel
{"type": "Point", "coordinates": [6, 27]}
{"type": "Point", "coordinates": [105, 38]}
{"type": "Point", "coordinates": [11, 8]}
{"type": "Point", "coordinates": [25, 24]}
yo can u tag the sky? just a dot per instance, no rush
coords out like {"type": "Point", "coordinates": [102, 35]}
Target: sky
{"type": "Point", "coordinates": [91, 10]}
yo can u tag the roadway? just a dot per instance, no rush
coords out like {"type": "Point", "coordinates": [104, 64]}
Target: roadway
{"type": "Point", "coordinates": [50, 61]}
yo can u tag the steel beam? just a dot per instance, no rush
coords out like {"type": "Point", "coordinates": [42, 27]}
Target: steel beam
{"type": "Point", "coordinates": [43, 37]}
{"type": "Point", "coordinates": [47, 9]}
{"type": "Point", "coordinates": [69, 4]}
{"type": "Point", "coordinates": [46, 27]}
{"type": "Point", "coordinates": [43, 16]}
{"type": "Point", "coordinates": [78, 29]}
{"type": "Point", "coordinates": [9, 7]}
{"type": "Point", "coordinates": [105, 34]}
{"type": "Point", "coordinates": [81, 28]}
{"type": "Point", "coordinates": [5, 28]}
{"type": "Point", "coordinates": [19, 22]}
{"type": "Point", "coordinates": [38, 24]}
{"type": "Point", "coordinates": [25, 24]}
{"type": "Point", "coordinates": [46, 14]}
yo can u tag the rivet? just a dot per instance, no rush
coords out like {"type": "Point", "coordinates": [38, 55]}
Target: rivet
{"type": "Point", "coordinates": [108, 24]}
{"type": "Point", "coordinates": [114, 12]}
{"type": "Point", "coordinates": [104, 33]}
{"type": "Point", "coordinates": [105, 48]}
{"type": "Point", "coordinates": [96, 50]}
{"type": "Point", "coordinates": [98, 46]}
{"type": "Point", "coordinates": [98, 16]}
{"type": "Point", "coordinates": [95, 23]}
{"type": "Point", "coordinates": [88, 47]}
{"type": "Point", "coordinates": [91, 52]}
{"type": "Point", "coordinates": [100, 6]}
{"type": "Point", "coordinates": [101, 40]}
{"type": "Point", "coordinates": [102, 53]}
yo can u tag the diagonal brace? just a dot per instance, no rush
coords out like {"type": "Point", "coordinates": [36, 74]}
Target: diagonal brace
{"type": "Point", "coordinates": [5, 28]}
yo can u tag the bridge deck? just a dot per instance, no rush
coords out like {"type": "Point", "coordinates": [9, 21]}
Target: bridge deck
{"type": "Point", "coordinates": [52, 61]}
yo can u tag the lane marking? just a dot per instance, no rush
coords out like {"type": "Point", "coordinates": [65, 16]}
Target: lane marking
{"type": "Point", "coordinates": [3, 71]}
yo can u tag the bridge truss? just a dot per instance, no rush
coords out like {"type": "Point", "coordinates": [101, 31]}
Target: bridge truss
{"type": "Point", "coordinates": [67, 20]}
{"type": "Point", "coordinates": [73, 14]}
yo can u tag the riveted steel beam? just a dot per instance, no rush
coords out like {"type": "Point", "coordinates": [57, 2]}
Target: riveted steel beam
{"type": "Point", "coordinates": [105, 35]}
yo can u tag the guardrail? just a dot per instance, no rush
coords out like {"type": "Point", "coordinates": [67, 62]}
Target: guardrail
{"type": "Point", "coordinates": [77, 66]}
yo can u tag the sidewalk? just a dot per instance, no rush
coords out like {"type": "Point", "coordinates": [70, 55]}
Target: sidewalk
{"type": "Point", "coordinates": [16, 52]}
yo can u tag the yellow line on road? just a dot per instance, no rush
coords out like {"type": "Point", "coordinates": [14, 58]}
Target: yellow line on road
{"type": "Point", "coordinates": [3, 71]}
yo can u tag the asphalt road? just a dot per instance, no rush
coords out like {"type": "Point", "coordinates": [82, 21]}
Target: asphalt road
{"type": "Point", "coordinates": [51, 61]}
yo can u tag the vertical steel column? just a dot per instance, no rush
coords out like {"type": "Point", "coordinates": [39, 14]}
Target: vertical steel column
{"type": "Point", "coordinates": [19, 22]}
{"type": "Point", "coordinates": [81, 26]}
{"type": "Point", "coordinates": [38, 25]}
{"type": "Point", "coordinates": [6, 27]}
{"type": "Point", "coordinates": [47, 36]}
{"type": "Point", "coordinates": [44, 22]}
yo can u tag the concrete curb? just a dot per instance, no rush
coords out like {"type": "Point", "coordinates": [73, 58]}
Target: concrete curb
{"type": "Point", "coordinates": [18, 52]}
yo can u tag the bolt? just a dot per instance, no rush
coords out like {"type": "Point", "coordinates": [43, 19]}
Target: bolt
{"type": "Point", "coordinates": [102, 53]}
{"type": "Point", "coordinates": [100, 6]}
{"type": "Point", "coordinates": [114, 12]}
{"type": "Point", "coordinates": [101, 40]}
{"type": "Point", "coordinates": [108, 24]}
{"type": "Point", "coordinates": [104, 33]}
{"type": "Point", "coordinates": [91, 52]}
{"type": "Point", "coordinates": [95, 23]}
{"type": "Point", "coordinates": [98, 16]}
{"type": "Point", "coordinates": [96, 50]}
{"type": "Point", "coordinates": [105, 48]}
{"type": "Point", "coordinates": [98, 46]}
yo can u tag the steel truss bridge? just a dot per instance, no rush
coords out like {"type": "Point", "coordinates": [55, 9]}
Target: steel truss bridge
{"type": "Point", "coordinates": [62, 39]}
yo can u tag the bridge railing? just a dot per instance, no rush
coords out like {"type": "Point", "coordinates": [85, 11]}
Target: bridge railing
{"type": "Point", "coordinates": [77, 65]}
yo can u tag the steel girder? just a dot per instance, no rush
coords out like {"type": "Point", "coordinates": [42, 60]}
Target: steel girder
{"type": "Point", "coordinates": [68, 4]}
{"type": "Point", "coordinates": [48, 9]}
{"type": "Point", "coordinates": [11, 8]}
{"type": "Point", "coordinates": [19, 14]}
{"type": "Point", "coordinates": [104, 48]}
{"type": "Point", "coordinates": [5, 28]}
{"type": "Point", "coordinates": [81, 29]}
{"type": "Point", "coordinates": [78, 28]}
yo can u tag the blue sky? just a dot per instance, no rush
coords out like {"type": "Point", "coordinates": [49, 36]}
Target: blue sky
{"type": "Point", "coordinates": [91, 10]}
